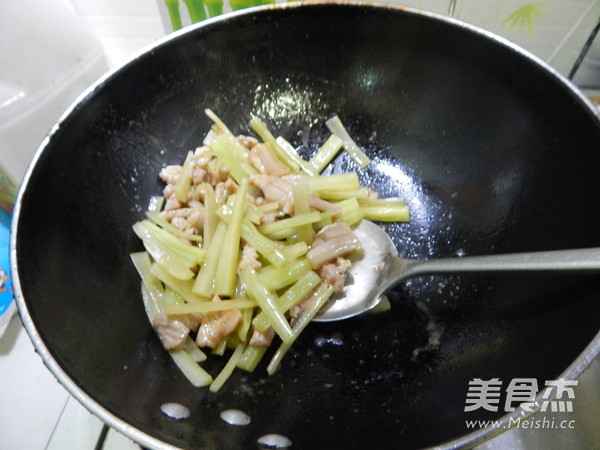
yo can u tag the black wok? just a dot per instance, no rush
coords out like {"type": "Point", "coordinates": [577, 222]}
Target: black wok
{"type": "Point", "coordinates": [492, 150]}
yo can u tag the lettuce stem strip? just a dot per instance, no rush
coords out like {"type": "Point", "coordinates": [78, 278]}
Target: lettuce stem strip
{"type": "Point", "coordinates": [319, 299]}
{"type": "Point", "coordinates": [326, 153]}
{"type": "Point", "coordinates": [227, 370]}
{"type": "Point", "coordinates": [337, 128]}
{"type": "Point", "coordinates": [267, 301]}
{"type": "Point", "coordinates": [208, 306]}
{"type": "Point", "coordinates": [228, 262]}
{"type": "Point", "coordinates": [292, 296]}
{"type": "Point", "coordinates": [203, 284]}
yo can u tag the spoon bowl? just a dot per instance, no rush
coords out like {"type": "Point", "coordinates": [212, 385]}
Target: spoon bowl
{"type": "Point", "coordinates": [379, 268]}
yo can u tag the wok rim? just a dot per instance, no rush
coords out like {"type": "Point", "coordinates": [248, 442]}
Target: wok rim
{"type": "Point", "coordinates": [572, 372]}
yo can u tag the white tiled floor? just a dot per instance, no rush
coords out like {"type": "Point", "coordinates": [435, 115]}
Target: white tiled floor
{"type": "Point", "coordinates": [30, 397]}
{"type": "Point", "coordinates": [79, 429]}
{"type": "Point", "coordinates": [36, 412]}
{"type": "Point", "coordinates": [76, 427]}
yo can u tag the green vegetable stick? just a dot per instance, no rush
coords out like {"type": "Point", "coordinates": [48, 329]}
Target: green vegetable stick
{"type": "Point", "coordinates": [225, 282]}
{"type": "Point", "coordinates": [262, 244]}
{"type": "Point", "coordinates": [191, 254]}
{"type": "Point", "coordinates": [382, 306]}
{"type": "Point", "coordinates": [253, 214]}
{"type": "Point", "coordinates": [203, 284]}
{"type": "Point", "coordinates": [227, 370]}
{"type": "Point", "coordinates": [320, 296]}
{"type": "Point", "coordinates": [293, 295]}
{"type": "Point", "coordinates": [294, 251]}
{"type": "Point", "coordinates": [256, 213]}
{"type": "Point", "coordinates": [227, 153]}
{"type": "Point", "coordinates": [193, 350]}
{"type": "Point", "coordinates": [282, 235]}
{"type": "Point", "coordinates": [391, 209]}
{"type": "Point", "coordinates": [210, 215]}
{"type": "Point", "coordinates": [172, 298]}
{"type": "Point", "coordinates": [387, 213]}
{"type": "Point", "coordinates": [390, 201]}
{"type": "Point", "coordinates": [350, 211]}
{"type": "Point", "coordinates": [244, 326]}
{"type": "Point", "coordinates": [157, 219]}
{"type": "Point", "coordinates": [169, 260]}
{"type": "Point", "coordinates": [182, 287]}
{"type": "Point", "coordinates": [251, 357]}
{"type": "Point", "coordinates": [221, 127]}
{"type": "Point", "coordinates": [292, 153]}
{"type": "Point", "coordinates": [336, 127]}
{"type": "Point", "coordinates": [360, 194]}
{"type": "Point", "coordinates": [326, 153]}
{"type": "Point", "coordinates": [141, 261]}
{"type": "Point", "coordinates": [301, 196]}
{"type": "Point", "coordinates": [275, 278]}
{"type": "Point", "coordinates": [326, 219]}
{"type": "Point", "coordinates": [290, 222]}
{"type": "Point", "coordinates": [209, 306]}
{"type": "Point", "coordinates": [336, 182]}
{"type": "Point", "coordinates": [233, 341]}
{"type": "Point", "coordinates": [228, 143]}
{"type": "Point", "coordinates": [267, 301]}
{"type": "Point", "coordinates": [156, 203]}
{"type": "Point", "coordinates": [221, 347]}
{"type": "Point", "coordinates": [190, 368]}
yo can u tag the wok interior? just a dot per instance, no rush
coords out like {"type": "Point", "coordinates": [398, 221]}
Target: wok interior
{"type": "Point", "coordinates": [492, 153]}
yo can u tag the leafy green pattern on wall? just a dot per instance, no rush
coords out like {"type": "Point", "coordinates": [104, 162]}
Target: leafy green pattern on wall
{"type": "Point", "coordinates": [201, 9]}
{"type": "Point", "coordinates": [525, 17]}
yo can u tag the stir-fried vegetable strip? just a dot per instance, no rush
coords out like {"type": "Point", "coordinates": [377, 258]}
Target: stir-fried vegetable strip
{"type": "Point", "coordinates": [337, 128]}
{"type": "Point", "coordinates": [248, 243]}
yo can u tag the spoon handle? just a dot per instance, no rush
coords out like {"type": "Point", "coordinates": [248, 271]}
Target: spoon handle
{"type": "Point", "coordinates": [579, 260]}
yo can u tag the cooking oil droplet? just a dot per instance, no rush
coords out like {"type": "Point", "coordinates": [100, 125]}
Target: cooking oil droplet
{"type": "Point", "coordinates": [175, 411]}
{"type": "Point", "coordinates": [235, 417]}
{"type": "Point", "coordinates": [274, 441]}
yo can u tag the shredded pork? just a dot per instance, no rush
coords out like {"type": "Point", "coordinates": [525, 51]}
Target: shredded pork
{"type": "Point", "coordinates": [264, 339]}
{"type": "Point", "coordinates": [265, 160]}
{"type": "Point", "coordinates": [275, 189]}
{"type": "Point", "coordinates": [280, 190]}
{"type": "Point", "coordinates": [173, 330]}
{"type": "Point", "coordinates": [189, 216]}
{"type": "Point", "coordinates": [247, 141]}
{"type": "Point", "coordinates": [249, 258]}
{"type": "Point", "coordinates": [216, 325]}
{"type": "Point", "coordinates": [332, 241]}
{"type": "Point", "coordinates": [334, 273]}
{"type": "Point", "coordinates": [297, 311]}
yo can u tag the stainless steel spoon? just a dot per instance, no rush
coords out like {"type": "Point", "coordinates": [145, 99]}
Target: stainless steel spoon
{"type": "Point", "coordinates": [380, 268]}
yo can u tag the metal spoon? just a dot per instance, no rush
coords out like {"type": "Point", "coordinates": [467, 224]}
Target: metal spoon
{"type": "Point", "coordinates": [380, 268]}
